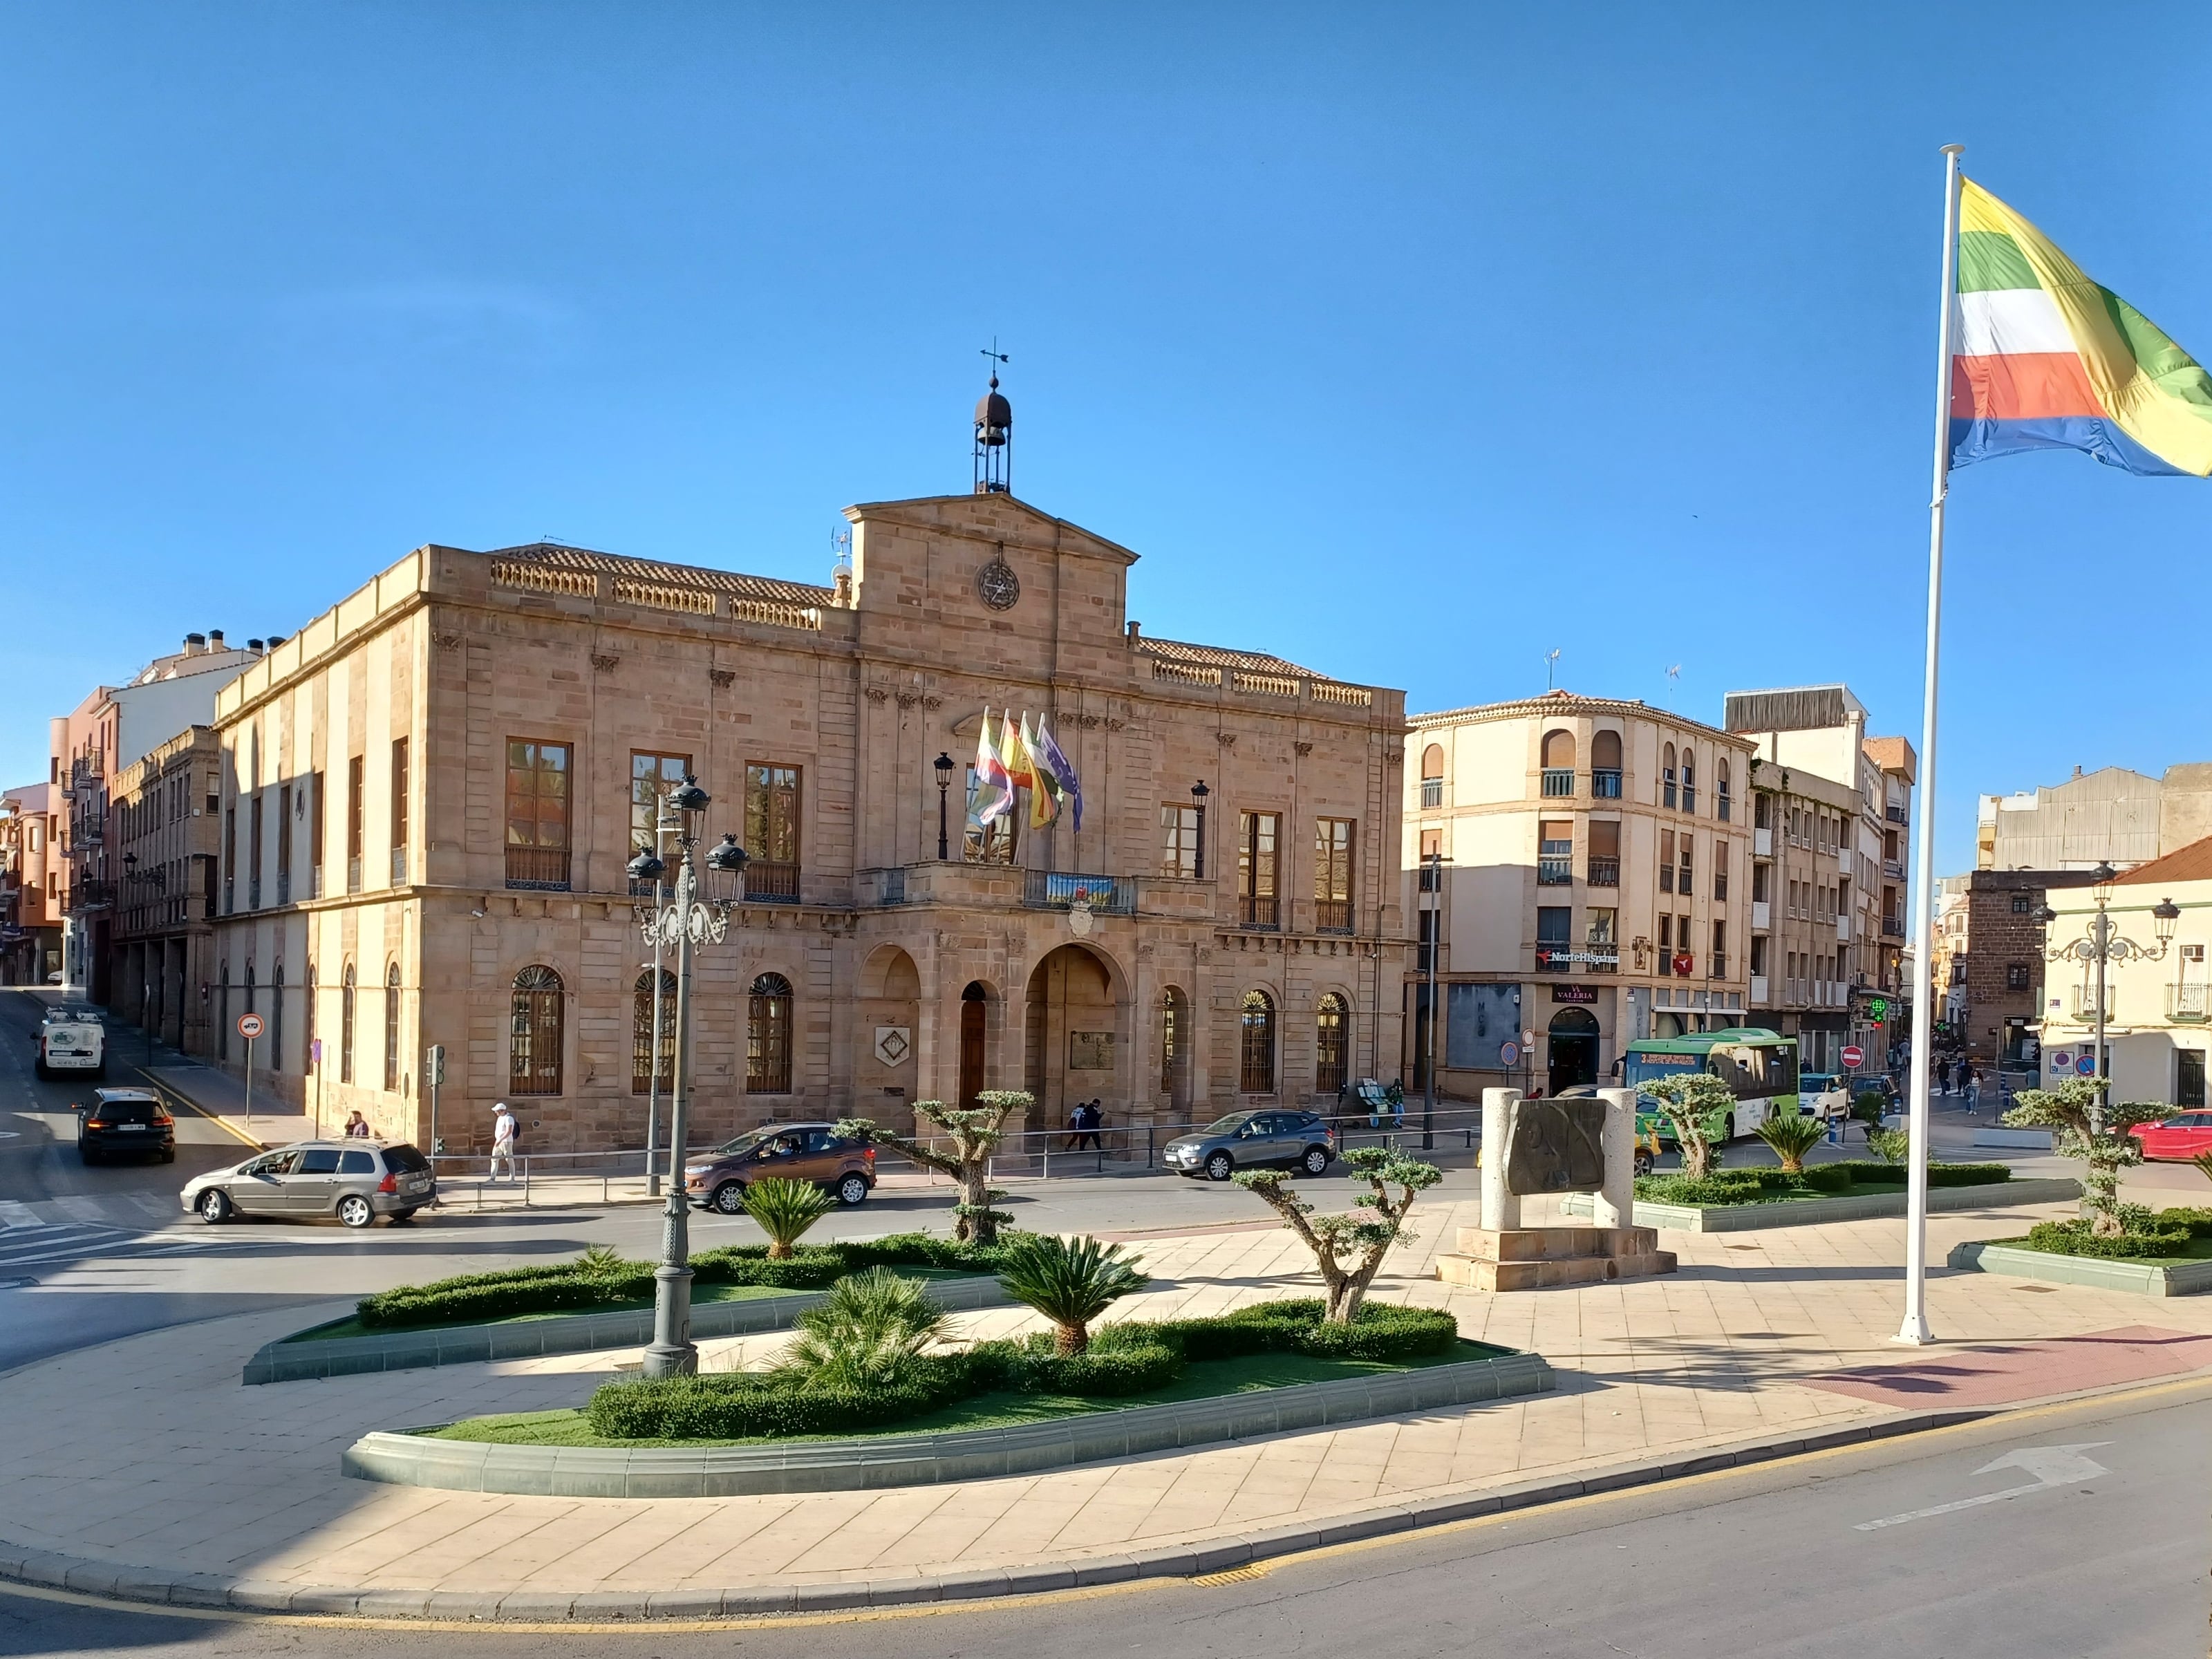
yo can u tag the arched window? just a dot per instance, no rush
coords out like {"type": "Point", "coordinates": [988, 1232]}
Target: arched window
{"type": "Point", "coordinates": [1605, 765]}
{"type": "Point", "coordinates": [1667, 775]}
{"type": "Point", "coordinates": [277, 1021]}
{"type": "Point", "coordinates": [1722, 806]}
{"type": "Point", "coordinates": [533, 1054]}
{"type": "Point", "coordinates": [1173, 1011]}
{"type": "Point", "coordinates": [1258, 1070]}
{"type": "Point", "coordinates": [346, 1027]}
{"type": "Point", "coordinates": [768, 1036]}
{"type": "Point", "coordinates": [641, 1033]}
{"type": "Point", "coordinates": [1332, 1044]}
{"type": "Point", "coordinates": [391, 1030]}
{"type": "Point", "coordinates": [1432, 775]}
{"type": "Point", "coordinates": [1689, 781]}
{"type": "Point", "coordinates": [1559, 762]}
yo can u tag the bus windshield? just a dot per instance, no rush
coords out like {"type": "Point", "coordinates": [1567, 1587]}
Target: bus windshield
{"type": "Point", "coordinates": [1756, 1065]}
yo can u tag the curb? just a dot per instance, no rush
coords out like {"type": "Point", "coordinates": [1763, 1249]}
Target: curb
{"type": "Point", "coordinates": [1822, 1211]}
{"type": "Point", "coordinates": [2096, 1273]}
{"type": "Point", "coordinates": [46, 1570]}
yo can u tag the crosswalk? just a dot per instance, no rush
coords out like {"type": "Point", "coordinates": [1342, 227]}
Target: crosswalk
{"type": "Point", "coordinates": [82, 1228]}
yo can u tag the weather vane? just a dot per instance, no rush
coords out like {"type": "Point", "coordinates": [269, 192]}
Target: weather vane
{"type": "Point", "coordinates": [996, 356]}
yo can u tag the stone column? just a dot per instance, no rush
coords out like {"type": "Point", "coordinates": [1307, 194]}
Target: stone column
{"type": "Point", "coordinates": [1614, 1205]}
{"type": "Point", "coordinates": [1501, 1210]}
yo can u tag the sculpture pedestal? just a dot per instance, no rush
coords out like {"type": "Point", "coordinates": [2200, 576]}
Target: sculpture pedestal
{"type": "Point", "coordinates": [1533, 1258]}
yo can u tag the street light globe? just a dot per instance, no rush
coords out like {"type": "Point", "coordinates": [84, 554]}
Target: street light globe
{"type": "Point", "coordinates": [2164, 914]}
{"type": "Point", "coordinates": [727, 856]}
{"type": "Point", "coordinates": [647, 865]}
{"type": "Point", "coordinates": [689, 796]}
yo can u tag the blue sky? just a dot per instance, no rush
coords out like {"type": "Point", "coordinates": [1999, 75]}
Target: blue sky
{"type": "Point", "coordinates": [1409, 342]}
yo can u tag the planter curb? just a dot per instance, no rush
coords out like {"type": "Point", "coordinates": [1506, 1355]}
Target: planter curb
{"type": "Point", "coordinates": [1815, 1211]}
{"type": "Point", "coordinates": [2093, 1272]}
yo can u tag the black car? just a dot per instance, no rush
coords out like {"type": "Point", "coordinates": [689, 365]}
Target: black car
{"type": "Point", "coordinates": [125, 1122]}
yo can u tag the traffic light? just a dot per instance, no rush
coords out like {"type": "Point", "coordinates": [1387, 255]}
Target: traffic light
{"type": "Point", "coordinates": [434, 1063]}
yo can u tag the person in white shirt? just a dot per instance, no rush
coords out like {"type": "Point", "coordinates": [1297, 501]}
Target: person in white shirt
{"type": "Point", "coordinates": [502, 1141]}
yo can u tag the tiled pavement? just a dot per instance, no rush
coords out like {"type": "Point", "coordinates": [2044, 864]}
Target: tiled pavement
{"type": "Point", "coordinates": [148, 1452]}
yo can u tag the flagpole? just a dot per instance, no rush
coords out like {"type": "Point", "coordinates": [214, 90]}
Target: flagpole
{"type": "Point", "coordinates": [1914, 1329]}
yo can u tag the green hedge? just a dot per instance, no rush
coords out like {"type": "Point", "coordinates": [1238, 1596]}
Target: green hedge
{"type": "Point", "coordinates": [2168, 1233]}
{"type": "Point", "coordinates": [471, 1299]}
{"type": "Point", "coordinates": [1751, 1186]}
{"type": "Point", "coordinates": [1122, 1359]}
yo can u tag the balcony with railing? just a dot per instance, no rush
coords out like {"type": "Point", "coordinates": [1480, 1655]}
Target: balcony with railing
{"type": "Point", "coordinates": [1718, 965]}
{"type": "Point", "coordinates": [1605, 783]}
{"type": "Point", "coordinates": [1724, 808]}
{"type": "Point", "coordinates": [2185, 1001]}
{"type": "Point", "coordinates": [2084, 1002]}
{"type": "Point", "coordinates": [1559, 780]}
{"type": "Point", "coordinates": [544, 869]}
{"type": "Point", "coordinates": [1604, 871]}
{"type": "Point", "coordinates": [353, 869]}
{"type": "Point", "coordinates": [1260, 911]}
{"type": "Point", "coordinates": [1432, 792]}
{"type": "Point", "coordinates": [1429, 878]}
{"type": "Point", "coordinates": [1332, 915]}
{"type": "Point", "coordinates": [1062, 889]}
{"type": "Point", "coordinates": [284, 887]}
{"type": "Point", "coordinates": [1893, 868]}
{"type": "Point", "coordinates": [1555, 872]}
{"type": "Point", "coordinates": [253, 892]}
{"type": "Point", "coordinates": [1894, 814]}
{"type": "Point", "coordinates": [1893, 926]}
{"type": "Point", "coordinates": [772, 881]}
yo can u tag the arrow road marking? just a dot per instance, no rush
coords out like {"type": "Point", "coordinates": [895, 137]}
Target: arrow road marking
{"type": "Point", "coordinates": [2052, 1466]}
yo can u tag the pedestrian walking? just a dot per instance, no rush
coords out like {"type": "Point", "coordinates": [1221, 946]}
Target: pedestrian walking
{"type": "Point", "coordinates": [356, 1127]}
{"type": "Point", "coordinates": [502, 1141]}
{"type": "Point", "coordinates": [1091, 1118]}
{"type": "Point", "coordinates": [1973, 1090]}
{"type": "Point", "coordinates": [1942, 1077]}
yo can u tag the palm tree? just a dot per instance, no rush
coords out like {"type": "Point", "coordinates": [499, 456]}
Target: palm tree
{"type": "Point", "coordinates": [1792, 1135]}
{"type": "Point", "coordinates": [869, 1328]}
{"type": "Point", "coordinates": [1070, 1281]}
{"type": "Point", "coordinates": [785, 1209]}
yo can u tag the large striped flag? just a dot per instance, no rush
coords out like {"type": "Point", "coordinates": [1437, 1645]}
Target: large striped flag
{"type": "Point", "coordinates": [990, 792]}
{"type": "Point", "coordinates": [1066, 787]}
{"type": "Point", "coordinates": [1044, 786]}
{"type": "Point", "coordinates": [1015, 754]}
{"type": "Point", "coordinates": [2042, 358]}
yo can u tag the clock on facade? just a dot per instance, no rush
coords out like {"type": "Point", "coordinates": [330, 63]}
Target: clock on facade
{"type": "Point", "coordinates": [997, 586]}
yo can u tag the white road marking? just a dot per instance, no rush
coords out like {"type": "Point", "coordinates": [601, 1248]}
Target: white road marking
{"type": "Point", "coordinates": [14, 1215]}
{"type": "Point", "coordinates": [79, 1208]}
{"type": "Point", "coordinates": [2052, 1466]}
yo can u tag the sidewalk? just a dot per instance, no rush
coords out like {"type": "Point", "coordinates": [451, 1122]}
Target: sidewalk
{"type": "Point", "coordinates": [115, 1458]}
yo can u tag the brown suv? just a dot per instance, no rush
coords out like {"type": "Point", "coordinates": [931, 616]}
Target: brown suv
{"type": "Point", "coordinates": [798, 1152]}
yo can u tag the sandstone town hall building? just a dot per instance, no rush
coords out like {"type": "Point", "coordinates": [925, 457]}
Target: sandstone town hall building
{"type": "Point", "coordinates": [431, 790]}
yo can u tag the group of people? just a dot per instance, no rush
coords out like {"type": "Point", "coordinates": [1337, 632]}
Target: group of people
{"type": "Point", "coordinates": [1966, 1074]}
{"type": "Point", "coordinates": [1085, 1122]}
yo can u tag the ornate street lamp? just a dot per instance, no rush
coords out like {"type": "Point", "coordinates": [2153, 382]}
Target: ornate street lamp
{"type": "Point", "coordinates": [693, 919]}
{"type": "Point", "coordinates": [1198, 791]}
{"type": "Point", "coordinates": [944, 765]}
{"type": "Point", "coordinates": [2102, 944]}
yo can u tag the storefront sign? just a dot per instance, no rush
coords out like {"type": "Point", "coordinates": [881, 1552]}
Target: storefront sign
{"type": "Point", "coordinates": [1583, 993]}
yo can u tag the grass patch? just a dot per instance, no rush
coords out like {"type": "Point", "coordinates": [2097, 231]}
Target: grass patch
{"type": "Point", "coordinates": [1844, 1178]}
{"type": "Point", "coordinates": [1205, 1380]}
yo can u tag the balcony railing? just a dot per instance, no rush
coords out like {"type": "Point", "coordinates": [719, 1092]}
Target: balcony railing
{"type": "Point", "coordinates": [1432, 792]}
{"type": "Point", "coordinates": [1555, 872]}
{"type": "Point", "coordinates": [353, 869]}
{"type": "Point", "coordinates": [772, 882]}
{"type": "Point", "coordinates": [1689, 798]}
{"type": "Point", "coordinates": [1605, 782]}
{"type": "Point", "coordinates": [2185, 1001]}
{"type": "Point", "coordinates": [284, 887]}
{"type": "Point", "coordinates": [1723, 808]}
{"type": "Point", "coordinates": [1894, 814]}
{"type": "Point", "coordinates": [891, 889]}
{"type": "Point", "coordinates": [1061, 890]}
{"type": "Point", "coordinates": [1559, 779]}
{"type": "Point", "coordinates": [315, 882]}
{"type": "Point", "coordinates": [1333, 915]}
{"type": "Point", "coordinates": [1719, 964]}
{"type": "Point", "coordinates": [1893, 868]}
{"type": "Point", "coordinates": [1893, 926]}
{"type": "Point", "coordinates": [1254, 910]}
{"type": "Point", "coordinates": [1605, 872]}
{"type": "Point", "coordinates": [2084, 1002]}
{"type": "Point", "coordinates": [1430, 874]}
{"type": "Point", "coordinates": [543, 868]}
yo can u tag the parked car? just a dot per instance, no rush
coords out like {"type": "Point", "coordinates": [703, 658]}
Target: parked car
{"type": "Point", "coordinates": [2179, 1137]}
{"type": "Point", "coordinates": [356, 1181]}
{"type": "Point", "coordinates": [71, 1039]}
{"type": "Point", "coordinates": [1826, 1095]}
{"type": "Point", "coordinates": [797, 1151]}
{"type": "Point", "coordinates": [1250, 1141]}
{"type": "Point", "coordinates": [124, 1122]}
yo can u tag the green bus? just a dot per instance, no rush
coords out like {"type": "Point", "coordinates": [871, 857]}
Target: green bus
{"type": "Point", "coordinates": [1758, 1065]}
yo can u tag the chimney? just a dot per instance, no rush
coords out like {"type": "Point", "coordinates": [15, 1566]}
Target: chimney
{"type": "Point", "coordinates": [215, 639]}
{"type": "Point", "coordinates": [276, 640]}
{"type": "Point", "coordinates": [195, 644]}
{"type": "Point", "coordinates": [1135, 632]}
{"type": "Point", "coordinates": [256, 645]}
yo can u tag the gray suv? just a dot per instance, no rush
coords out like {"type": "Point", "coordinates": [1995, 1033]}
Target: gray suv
{"type": "Point", "coordinates": [1255, 1139]}
{"type": "Point", "coordinates": [356, 1181]}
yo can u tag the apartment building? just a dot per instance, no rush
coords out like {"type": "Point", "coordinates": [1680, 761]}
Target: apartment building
{"type": "Point", "coordinates": [1591, 886]}
{"type": "Point", "coordinates": [30, 886]}
{"type": "Point", "coordinates": [162, 813]}
{"type": "Point", "coordinates": [2112, 815]}
{"type": "Point", "coordinates": [429, 794]}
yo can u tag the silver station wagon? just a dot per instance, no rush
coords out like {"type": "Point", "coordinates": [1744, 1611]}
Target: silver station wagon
{"type": "Point", "coordinates": [356, 1181]}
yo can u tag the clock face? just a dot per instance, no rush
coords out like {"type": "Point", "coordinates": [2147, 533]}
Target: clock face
{"type": "Point", "coordinates": [997, 586]}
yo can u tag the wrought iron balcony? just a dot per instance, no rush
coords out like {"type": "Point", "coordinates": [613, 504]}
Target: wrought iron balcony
{"type": "Point", "coordinates": [542, 868]}
{"type": "Point", "coordinates": [2185, 1001]}
{"type": "Point", "coordinates": [1555, 872]}
{"type": "Point", "coordinates": [1605, 872]}
{"type": "Point", "coordinates": [1605, 782]}
{"type": "Point", "coordinates": [769, 881]}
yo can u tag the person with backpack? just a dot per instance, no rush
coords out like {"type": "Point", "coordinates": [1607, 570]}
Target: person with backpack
{"type": "Point", "coordinates": [503, 1130]}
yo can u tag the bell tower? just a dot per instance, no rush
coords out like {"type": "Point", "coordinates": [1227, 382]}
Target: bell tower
{"type": "Point", "coordinates": [994, 435]}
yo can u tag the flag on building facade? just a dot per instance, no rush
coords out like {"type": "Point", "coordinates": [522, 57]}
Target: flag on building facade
{"type": "Point", "coordinates": [1044, 787]}
{"type": "Point", "coordinates": [2044, 358]}
{"type": "Point", "coordinates": [991, 790]}
{"type": "Point", "coordinates": [1067, 790]}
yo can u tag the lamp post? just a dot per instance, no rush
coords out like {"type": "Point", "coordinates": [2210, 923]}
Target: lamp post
{"type": "Point", "coordinates": [944, 765]}
{"type": "Point", "coordinates": [1433, 948]}
{"type": "Point", "coordinates": [1198, 791]}
{"type": "Point", "coordinates": [2102, 945]}
{"type": "Point", "coordinates": [690, 920]}
{"type": "Point", "coordinates": [662, 826]}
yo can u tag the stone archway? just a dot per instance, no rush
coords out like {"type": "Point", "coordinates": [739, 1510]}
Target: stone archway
{"type": "Point", "coordinates": [1574, 1037]}
{"type": "Point", "coordinates": [1072, 1036]}
{"type": "Point", "coordinates": [975, 1050]}
{"type": "Point", "coordinates": [887, 1036]}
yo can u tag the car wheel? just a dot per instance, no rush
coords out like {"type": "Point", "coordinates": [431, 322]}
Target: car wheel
{"type": "Point", "coordinates": [1730, 1135]}
{"type": "Point", "coordinates": [215, 1207]}
{"type": "Point", "coordinates": [86, 1155]}
{"type": "Point", "coordinates": [39, 1067]}
{"type": "Point", "coordinates": [100, 1071]}
{"type": "Point", "coordinates": [1644, 1162]}
{"type": "Point", "coordinates": [853, 1189]}
{"type": "Point", "coordinates": [1316, 1161]}
{"type": "Point", "coordinates": [1219, 1166]}
{"type": "Point", "coordinates": [730, 1198]}
{"type": "Point", "coordinates": [356, 1210]}
{"type": "Point", "coordinates": [168, 1155]}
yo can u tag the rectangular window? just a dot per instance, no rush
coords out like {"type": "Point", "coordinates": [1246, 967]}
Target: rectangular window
{"type": "Point", "coordinates": [1666, 860]}
{"type": "Point", "coordinates": [230, 859]}
{"type": "Point", "coordinates": [1762, 883]}
{"type": "Point", "coordinates": [1720, 869]}
{"type": "Point", "coordinates": [1555, 852]}
{"type": "Point", "coordinates": [1554, 935]}
{"type": "Point", "coordinates": [1333, 874]}
{"type": "Point", "coordinates": [253, 853]}
{"type": "Point", "coordinates": [284, 845]}
{"type": "Point", "coordinates": [1666, 939]}
{"type": "Point", "coordinates": [1682, 940]}
{"type": "Point", "coordinates": [772, 831]}
{"type": "Point", "coordinates": [1182, 844]}
{"type": "Point", "coordinates": [1432, 847]}
{"type": "Point", "coordinates": [992, 843]}
{"type": "Point", "coordinates": [651, 778]}
{"type": "Point", "coordinates": [1257, 835]}
{"type": "Point", "coordinates": [1432, 792]}
{"type": "Point", "coordinates": [315, 828]}
{"type": "Point", "coordinates": [2016, 976]}
{"type": "Point", "coordinates": [538, 843]}
{"type": "Point", "coordinates": [1717, 969]}
{"type": "Point", "coordinates": [2022, 903]}
{"type": "Point", "coordinates": [1759, 956]}
{"type": "Point", "coordinates": [1683, 873]}
{"type": "Point", "coordinates": [1425, 960]}
{"type": "Point", "coordinates": [1604, 853]}
{"type": "Point", "coordinates": [399, 786]}
{"type": "Point", "coordinates": [354, 809]}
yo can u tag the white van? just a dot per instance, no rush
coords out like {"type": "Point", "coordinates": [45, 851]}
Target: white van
{"type": "Point", "coordinates": [72, 1040]}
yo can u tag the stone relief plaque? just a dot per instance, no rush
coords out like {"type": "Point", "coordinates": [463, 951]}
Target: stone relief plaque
{"type": "Point", "coordinates": [1090, 1051]}
{"type": "Point", "coordinates": [893, 1044]}
{"type": "Point", "coordinates": [1556, 1146]}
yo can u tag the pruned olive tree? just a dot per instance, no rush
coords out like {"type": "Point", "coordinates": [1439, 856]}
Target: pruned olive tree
{"type": "Point", "coordinates": [1686, 1100]}
{"type": "Point", "coordinates": [1349, 1248]}
{"type": "Point", "coordinates": [2096, 1135]}
{"type": "Point", "coordinates": [975, 1133]}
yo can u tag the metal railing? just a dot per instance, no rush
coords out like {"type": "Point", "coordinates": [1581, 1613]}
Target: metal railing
{"type": "Point", "coordinates": [1333, 915]}
{"type": "Point", "coordinates": [398, 865]}
{"type": "Point", "coordinates": [2185, 1001]}
{"type": "Point", "coordinates": [1605, 872]}
{"type": "Point", "coordinates": [772, 882]}
{"type": "Point", "coordinates": [1260, 911]}
{"type": "Point", "coordinates": [1432, 792]}
{"type": "Point", "coordinates": [542, 868]}
{"type": "Point", "coordinates": [1555, 872]}
{"type": "Point", "coordinates": [1559, 780]}
{"type": "Point", "coordinates": [1605, 782]}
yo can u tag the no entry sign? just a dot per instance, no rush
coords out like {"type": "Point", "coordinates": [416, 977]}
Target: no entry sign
{"type": "Point", "coordinates": [1854, 1056]}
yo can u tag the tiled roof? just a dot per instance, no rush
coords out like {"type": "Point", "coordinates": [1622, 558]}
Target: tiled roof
{"type": "Point", "coordinates": [2190, 863]}
{"type": "Point", "coordinates": [555, 556]}
{"type": "Point", "coordinates": [1215, 656]}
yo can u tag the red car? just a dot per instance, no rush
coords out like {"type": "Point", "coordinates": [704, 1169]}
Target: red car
{"type": "Point", "coordinates": [2179, 1137]}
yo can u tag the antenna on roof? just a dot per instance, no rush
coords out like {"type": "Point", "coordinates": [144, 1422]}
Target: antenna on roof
{"type": "Point", "coordinates": [1673, 674]}
{"type": "Point", "coordinates": [994, 432]}
{"type": "Point", "coordinates": [1551, 662]}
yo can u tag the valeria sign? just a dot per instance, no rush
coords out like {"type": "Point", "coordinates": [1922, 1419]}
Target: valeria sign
{"type": "Point", "coordinates": [1583, 994]}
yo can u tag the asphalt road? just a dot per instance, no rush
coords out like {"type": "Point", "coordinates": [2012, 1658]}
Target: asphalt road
{"type": "Point", "coordinates": [2108, 1559]}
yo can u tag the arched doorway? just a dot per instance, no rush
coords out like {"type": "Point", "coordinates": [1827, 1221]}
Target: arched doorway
{"type": "Point", "coordinates": [1071, 1037]}
{"type": "Point", "coordinates": [1574, 1049]}
{"type": "Point", "coordinates": [974, 1028]}
{"type": "Point", "coordinates": [888, 1033]}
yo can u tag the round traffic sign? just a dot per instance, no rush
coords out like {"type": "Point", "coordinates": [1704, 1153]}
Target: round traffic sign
{"type": "Point", "coordinates": [2086, 1066]}
{"type": "Point", "coordinates": [1508, 1055]}
{"type": "Point", "coordinates": [1854, 1056]}
{"type": "Point", "coordinates": [249, 1025]}
{"type": "Point", "coordinates": [1528, 1039]}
